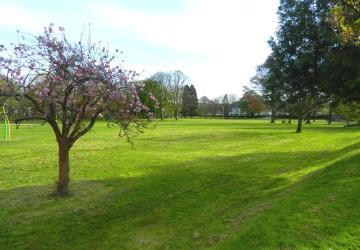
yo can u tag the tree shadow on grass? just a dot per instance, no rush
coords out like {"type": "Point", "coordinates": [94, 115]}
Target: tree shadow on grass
{"type": "Point", "coordinates": [318, 212]}
{"type": "Point", "coordinates": [218, 199]}
{"type": "Point", "coordinates": [330, 129]}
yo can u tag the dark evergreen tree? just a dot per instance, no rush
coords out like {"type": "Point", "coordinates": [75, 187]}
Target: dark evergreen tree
{"type": "Point", "coordinates": [189, 101]}
{"type": "Point", "coordinates": [302, 41]}
{"type": "Point", "coordinates": [341, 72]}
{"type": "Point", "coordinates": [186, 100]}
{"type": "Point", "coordinates": [193, 105]}
{"type": "Point", "coordinates": [226, 106]}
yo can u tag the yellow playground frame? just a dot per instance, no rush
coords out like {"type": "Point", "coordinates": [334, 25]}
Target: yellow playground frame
{"type": "Point", "coordinates": [6, 125]}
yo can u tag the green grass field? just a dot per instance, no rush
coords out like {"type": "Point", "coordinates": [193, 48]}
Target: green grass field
{"type": "Point", "coordinates": [187, 184]}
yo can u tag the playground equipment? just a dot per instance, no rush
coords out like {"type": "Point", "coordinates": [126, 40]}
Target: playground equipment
{"type": "Point", "coordinates": [6, 125]}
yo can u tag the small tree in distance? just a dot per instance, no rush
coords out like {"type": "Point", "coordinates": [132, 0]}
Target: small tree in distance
{"type": "Point", "coordinates": [194, 101]}
{"type": "Point", "coordinates": [69, 86]}
{"type": "Point", "coordinates": [186, 99]}
{"type": "Point", "coordinates": [251, 102]}
{"type": "Point", "coordinates": [226, 106]}
{"type": "Point", "coordinates": [177, 82]}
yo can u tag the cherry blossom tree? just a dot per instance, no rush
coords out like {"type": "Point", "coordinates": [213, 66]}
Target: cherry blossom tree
{"type": "Point", "coordinates": [69, 86]}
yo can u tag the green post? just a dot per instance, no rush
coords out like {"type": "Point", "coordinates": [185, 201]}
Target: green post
{"type": "Point", "coordinates": [4, 128]}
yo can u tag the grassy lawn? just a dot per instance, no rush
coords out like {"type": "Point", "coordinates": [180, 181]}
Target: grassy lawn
{"type": "Point", "coordinates": [187, 184]}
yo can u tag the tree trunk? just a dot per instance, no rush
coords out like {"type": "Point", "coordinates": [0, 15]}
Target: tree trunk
{"type": "Point", "coordinates": [64, 166]}
{"type": "Point", "coordinates": [330, 114]}
{"type": "Point", "coordinates": [307, 118]}
{"type": "Point", "coordinates": [273, 116]}
{"type": "Point", "coordinates": [300, 119]}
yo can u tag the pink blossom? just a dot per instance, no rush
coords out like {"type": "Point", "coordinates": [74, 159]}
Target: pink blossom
{"type": "Point", "coordinates": [32, 66]}
{"type": "Point", "coordinates": [58, 78]}
{"type": "Point", "coordinates": [85, 75]}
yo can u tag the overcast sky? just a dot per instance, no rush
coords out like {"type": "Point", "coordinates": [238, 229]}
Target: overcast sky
{"type": "Point", "coordinates": [217, 43]}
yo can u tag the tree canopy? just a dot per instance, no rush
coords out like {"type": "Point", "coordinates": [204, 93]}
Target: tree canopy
{"type": "Point", "coordinates": [314, 58]}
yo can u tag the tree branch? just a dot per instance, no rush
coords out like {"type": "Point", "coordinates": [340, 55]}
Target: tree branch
{"type": "Point", "coordinates": [88, 127]}
{"type": "Point", "coordinates": [38, 118]}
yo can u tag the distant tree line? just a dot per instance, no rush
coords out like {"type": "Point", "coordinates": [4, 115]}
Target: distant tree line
{"type": "Point", "coordinates": [313, 68]}
{"type": "Point", "coordinates": [251, 104]}
{"type": "Point", "coordinates": [171, 95]}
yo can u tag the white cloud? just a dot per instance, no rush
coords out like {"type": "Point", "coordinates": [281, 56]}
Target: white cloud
{"type": "Point", "coordinates": [229, 36]}
{"type": "Point", "coordinates": [232, 33]}
{"type": "Point", "coordinates": [215, 27]}
{"type": "Point", "coordinates": [18, 18]}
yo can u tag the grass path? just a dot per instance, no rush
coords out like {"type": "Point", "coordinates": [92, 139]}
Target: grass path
{"type": "Point", "coordinates": [187, 184]}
